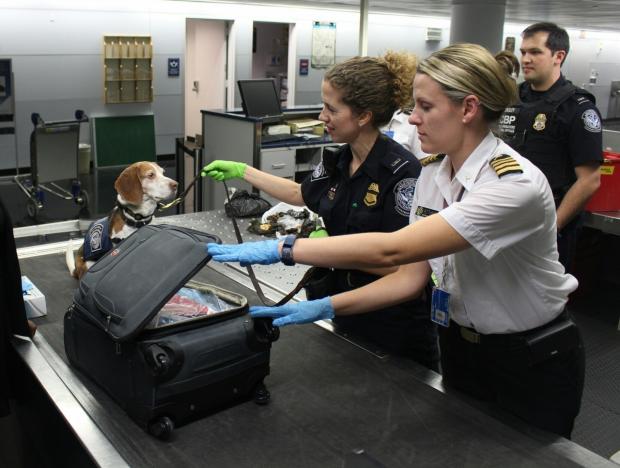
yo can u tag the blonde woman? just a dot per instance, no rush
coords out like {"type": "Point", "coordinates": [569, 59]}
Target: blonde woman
{"type": "Point", "coordinates": [483, 220]}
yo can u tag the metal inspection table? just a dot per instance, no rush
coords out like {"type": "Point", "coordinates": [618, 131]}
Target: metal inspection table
{"type": "Point", "coordinates": [606, 221]}
{"type": "Point", "coordinates": [333, 403]}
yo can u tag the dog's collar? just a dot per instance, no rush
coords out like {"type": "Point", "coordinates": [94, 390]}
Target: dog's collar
{"type": "Point", "coordinates": [133, 219]}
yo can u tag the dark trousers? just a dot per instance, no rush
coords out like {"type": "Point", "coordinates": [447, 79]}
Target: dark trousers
{"type": "Point", "coordinates": [567, 242]}
{"type": "Point", "coordinates": [404, 330]}
{"type": "Point", "coordinates": [545, 394]}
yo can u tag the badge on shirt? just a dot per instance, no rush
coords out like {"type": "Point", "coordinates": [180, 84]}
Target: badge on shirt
{"type": "Point", "coordinates": [331, 194]}
{"type": "Point", "coordinates": [372, 192]}
{"type": "Point", "coordinates": [423, 212]}
{"type": "Point", "coordinates": [540, 122]}
{"type": "Point", "coordinates": [440, 307]}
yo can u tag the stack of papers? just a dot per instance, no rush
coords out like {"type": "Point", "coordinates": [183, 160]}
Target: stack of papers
{"type": "Point", "coordinates": [307, 126]}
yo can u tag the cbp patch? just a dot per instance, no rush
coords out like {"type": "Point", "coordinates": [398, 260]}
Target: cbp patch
{"type": "Point", "coordinates": [403, 195]}
{"type": "Point", "coordinates": [591, 121]}
{"type": "Point", "coordinates": [319, 172]}
{"type": "Point", "coordinates": [96, 237]}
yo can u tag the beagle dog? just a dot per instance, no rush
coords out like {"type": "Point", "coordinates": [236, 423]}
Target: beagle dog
{"type": "Point", "coordinates": [140, 188]}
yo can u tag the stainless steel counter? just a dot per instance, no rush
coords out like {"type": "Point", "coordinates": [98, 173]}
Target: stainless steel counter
{"type": "Point", "coordinates": [333, 404]}
{"type": "Point", "coordinates": [606, 221]}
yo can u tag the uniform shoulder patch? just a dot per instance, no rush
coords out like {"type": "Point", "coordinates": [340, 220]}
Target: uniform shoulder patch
{"type": "Point", "coordinates": [591, 121]}
{"type": "Point", "coordinates": [403, 195]}
{"type": "Point", "coordinates": [431, 159]}
{"type": "Point", "coordinates": [505, 164]}
{"type": "Point", "coordinates": [319, 172]}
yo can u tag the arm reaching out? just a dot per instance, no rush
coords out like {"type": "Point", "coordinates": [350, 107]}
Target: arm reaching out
{"type": "Point", "coordinates": [398, 287]}
{"type": "Point", "coordinates": [283, 189]}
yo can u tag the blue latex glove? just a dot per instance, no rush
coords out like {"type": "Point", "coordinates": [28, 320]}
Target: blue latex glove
{"type": "Point", "coordinates": [248, 253]}
{"type": "Point", "coordinates": [296, 313]}
{"type": "Point", "coordinates": [26, 285]}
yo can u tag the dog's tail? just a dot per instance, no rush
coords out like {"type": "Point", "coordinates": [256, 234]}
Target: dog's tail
{"type": "Point", "coordinates": [70, 259]}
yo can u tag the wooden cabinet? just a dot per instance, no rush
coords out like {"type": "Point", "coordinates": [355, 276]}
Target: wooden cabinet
{"type": "Point", "coordinates": [127, 69]}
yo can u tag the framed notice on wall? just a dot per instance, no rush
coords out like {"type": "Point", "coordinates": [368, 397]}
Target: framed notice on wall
{"type": "Point", "coordinates": [323, 44]}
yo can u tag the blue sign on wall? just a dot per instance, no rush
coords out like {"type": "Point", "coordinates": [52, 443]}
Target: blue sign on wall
{"type": "Point", "coordinates": [174, 66]}
{"type": "Point", "coordinates": [303, 67]}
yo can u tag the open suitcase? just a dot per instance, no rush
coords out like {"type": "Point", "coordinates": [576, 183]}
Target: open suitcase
{"type": "Point", "coordinates": [165, 366]}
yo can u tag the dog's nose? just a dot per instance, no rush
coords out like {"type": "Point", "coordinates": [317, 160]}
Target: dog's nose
{"type": "Point", "coordinates": [173, 184]}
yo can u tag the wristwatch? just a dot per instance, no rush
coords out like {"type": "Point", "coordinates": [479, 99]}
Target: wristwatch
{"type": "Point", "coordinates": [287, 250]}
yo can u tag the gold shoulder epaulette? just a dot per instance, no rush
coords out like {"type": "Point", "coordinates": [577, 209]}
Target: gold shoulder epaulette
{"type": "Point", "coordinates": [431, 159]}
{"type": "Point", "coordinates": [504, 164]}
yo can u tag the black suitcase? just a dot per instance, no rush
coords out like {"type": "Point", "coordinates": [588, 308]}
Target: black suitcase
{"type": "Point", "coordinates": [165, 373]}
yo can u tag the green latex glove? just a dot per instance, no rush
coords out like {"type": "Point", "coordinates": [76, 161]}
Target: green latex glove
{"type": "Point", "coordinates": [224, 170]}
{"type": "Point", "coordinates": [320, 232]}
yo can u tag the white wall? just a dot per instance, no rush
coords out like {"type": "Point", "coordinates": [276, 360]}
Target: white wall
{"type": "Point", "coordinates": [56, 48]}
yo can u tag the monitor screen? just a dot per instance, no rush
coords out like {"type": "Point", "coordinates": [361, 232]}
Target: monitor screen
{"type": "Point", "coordinates": [260, 99]}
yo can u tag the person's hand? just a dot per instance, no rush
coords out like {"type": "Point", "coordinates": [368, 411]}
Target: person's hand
{"type": "Point", "coordinates": [296, 313]}
{"type": "Point", "coordinates": [224, 170]}
{"type": "Point", "coordinates": [248, 253]}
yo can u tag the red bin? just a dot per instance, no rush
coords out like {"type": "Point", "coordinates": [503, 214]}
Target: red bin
{"type": "Point", "coordinates": [607, 197]}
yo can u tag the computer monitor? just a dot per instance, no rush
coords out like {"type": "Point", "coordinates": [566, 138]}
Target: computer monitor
{"type": "Point", "coordinates": [260, 99]}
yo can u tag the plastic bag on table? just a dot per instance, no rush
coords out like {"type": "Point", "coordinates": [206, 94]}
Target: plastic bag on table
{"type": "Point", "coordinates": [189, 303]}
{"type": "Point", "coordinates": [288, 219]}
{"type": "Point", "coordinates": [243, 204]}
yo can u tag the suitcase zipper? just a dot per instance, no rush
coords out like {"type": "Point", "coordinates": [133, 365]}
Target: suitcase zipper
{"type": "Point", "coordinates": [187, 325]}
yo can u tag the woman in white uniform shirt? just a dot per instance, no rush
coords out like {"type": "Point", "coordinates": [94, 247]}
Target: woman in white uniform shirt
{"type": "Point", "coordinates": [485, 218]}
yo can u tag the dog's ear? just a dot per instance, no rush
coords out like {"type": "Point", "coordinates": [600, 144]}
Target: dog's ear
{"type": "Point", "coordinates": [128, 185]}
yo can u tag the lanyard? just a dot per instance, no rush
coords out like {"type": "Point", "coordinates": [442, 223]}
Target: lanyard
{"type": "Point", "coordinates": [445, 258]}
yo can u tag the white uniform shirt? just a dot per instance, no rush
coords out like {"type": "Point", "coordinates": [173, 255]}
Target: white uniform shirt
{"type": "Point", "coordinates": [404, 133]}
{"type": "Point", "coordinates": [510, 280]}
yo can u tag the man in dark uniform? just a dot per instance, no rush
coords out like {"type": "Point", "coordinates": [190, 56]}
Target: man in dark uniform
{"type": "Point", "coordinates": [558, 127]}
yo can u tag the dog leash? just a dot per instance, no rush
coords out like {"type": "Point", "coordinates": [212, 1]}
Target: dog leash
{"type": "Point", "coordinates": [180, 198]}
{"type": "Point", "coordinates": [255, 283]}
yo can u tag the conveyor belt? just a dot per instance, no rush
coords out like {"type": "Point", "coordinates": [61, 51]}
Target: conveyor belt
{"type": "Point", "coordinates": [333, 404]}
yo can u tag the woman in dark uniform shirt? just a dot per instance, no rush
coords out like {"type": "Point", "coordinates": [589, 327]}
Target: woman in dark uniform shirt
{"type": "Point", "coordinates": [366, 185]}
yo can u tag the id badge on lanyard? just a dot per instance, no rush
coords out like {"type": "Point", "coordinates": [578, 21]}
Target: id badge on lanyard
{"type": "Point", "coordinates": [440, 307]}
{"type": "Point", "coordinates": [440, 299]}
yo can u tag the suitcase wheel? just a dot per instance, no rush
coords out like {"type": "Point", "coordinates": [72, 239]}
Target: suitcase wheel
{"type": "Point", "coordinates": [261, 394]}
{"type": "Point", "coordinates": [161, 427]}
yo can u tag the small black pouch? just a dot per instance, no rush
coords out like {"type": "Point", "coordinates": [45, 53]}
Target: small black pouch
{"type": "Point", "coordinates": [559, 337]}
{"type": "Point", "coordinates": [243, 205]}
{"type": "Point", "coordinates": [320, 284]}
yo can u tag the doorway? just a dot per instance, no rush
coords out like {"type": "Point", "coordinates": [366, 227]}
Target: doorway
{"type": "Point", "coordinates": [205, 70]}
{"type": "Point", "coordinates": [270, 55]}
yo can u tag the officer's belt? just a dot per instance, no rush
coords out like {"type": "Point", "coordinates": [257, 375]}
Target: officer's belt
{"type": "Point", "coordinates": [502, 339]}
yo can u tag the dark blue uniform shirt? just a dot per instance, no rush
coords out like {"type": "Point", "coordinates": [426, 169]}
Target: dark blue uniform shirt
{"type": "Point", "coordinates": [377, 198]}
